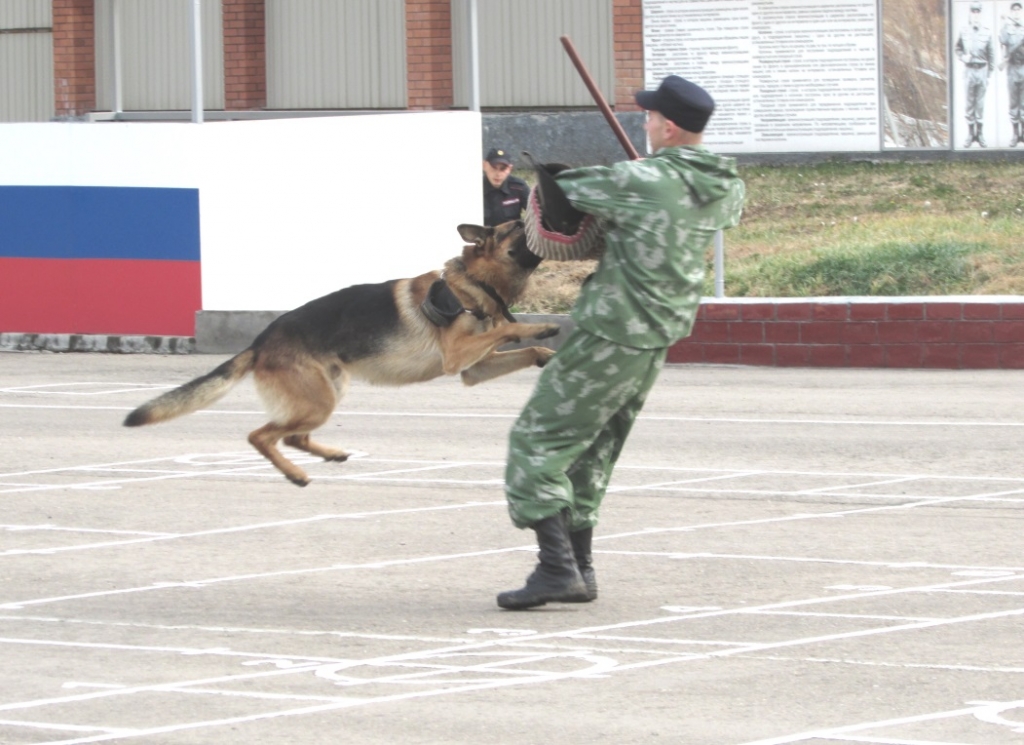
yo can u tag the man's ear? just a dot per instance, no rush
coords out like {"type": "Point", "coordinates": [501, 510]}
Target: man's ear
{"type": "Point", "coordinates": [475, 234]}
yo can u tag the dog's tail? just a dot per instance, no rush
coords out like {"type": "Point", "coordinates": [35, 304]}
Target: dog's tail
{"type": "Point", "coordinates": [196, 394]}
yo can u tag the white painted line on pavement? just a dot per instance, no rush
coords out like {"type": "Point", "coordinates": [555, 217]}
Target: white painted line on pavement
{"type": "Point", "coordinates": [978, 711]}
{"type": "Point", "coordinates": [513, 415]}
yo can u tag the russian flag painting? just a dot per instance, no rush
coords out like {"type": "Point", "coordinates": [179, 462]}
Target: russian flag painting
{"type": "Point", "coordinates": [99, 260]}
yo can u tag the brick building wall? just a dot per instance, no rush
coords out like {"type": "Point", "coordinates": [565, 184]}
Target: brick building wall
{"type": "Point", "coordinates": [627, 22]}
{"type": "Point", "coordinates": [428, 27]}
{"type": "Point", "coordinates": [74, 58]}
{"type": "Point", "coordinates": [428, 61]}
{"type": "Point", "coordinates": [967, 333]}
{"type": "Point", "coordinates": [245, 54]}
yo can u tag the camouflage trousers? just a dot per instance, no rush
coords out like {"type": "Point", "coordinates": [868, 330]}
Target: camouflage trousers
{"type": "Point", "coordinates": [564, 445]}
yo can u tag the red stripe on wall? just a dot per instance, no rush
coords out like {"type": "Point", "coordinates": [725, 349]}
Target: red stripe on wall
{"type": "Point", "coordinates": [99, 296]}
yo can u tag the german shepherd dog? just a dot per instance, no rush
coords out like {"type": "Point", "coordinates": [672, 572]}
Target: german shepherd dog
{"type": "Point", "coordinates": [393, 333]}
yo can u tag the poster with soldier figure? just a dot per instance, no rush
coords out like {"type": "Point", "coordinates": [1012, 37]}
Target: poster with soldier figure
{"type": "Point", "coordinates": [953, 74]}
{"type": "Point", "coordinates": [847, 75]}
{"type": "Point", "coordinates": [988, 74]}
{"type": "Point", "coordinates": [975, 49]}
{"type": "Point", "coordinates": [1011, 64]}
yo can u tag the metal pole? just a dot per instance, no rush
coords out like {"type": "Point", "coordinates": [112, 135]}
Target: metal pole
{"type": "Point", "coordinates": [719, 264]}
{"type": "Point", "coordinates": [115, 46]}
{"type": "Point", "coordinates": [197, 61]}
{"type": "Point", "coordinates": [474, 58]}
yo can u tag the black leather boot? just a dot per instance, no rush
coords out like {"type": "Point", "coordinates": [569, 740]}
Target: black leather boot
{"type": "Point", "coordinates": [970, 135]}
{"type": "Point", "coordinates": [977, 135]}
{"type": "Point", "coordinates": [556, 578]}
{"type": "Point", "coordinates": [581, 540]}
{"type": "Point", "coordinates": [1016, 135]}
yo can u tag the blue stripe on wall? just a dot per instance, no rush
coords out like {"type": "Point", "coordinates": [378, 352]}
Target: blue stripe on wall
{"type": "Point", "coordinates": [99, 222]}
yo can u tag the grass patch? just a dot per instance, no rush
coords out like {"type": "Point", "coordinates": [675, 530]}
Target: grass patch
{"type": "Point", "coordinates": [867, 228]}
{"type": "Point", "coordinates": [887, 269]}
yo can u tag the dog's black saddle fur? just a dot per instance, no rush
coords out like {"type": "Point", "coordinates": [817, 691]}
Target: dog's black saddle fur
{"type": "Point", "coordinates": [442, 307]}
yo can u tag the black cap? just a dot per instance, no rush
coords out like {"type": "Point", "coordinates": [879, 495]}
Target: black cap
{"type": "Point", "coordinates": [1014, 5]}
{"type": "Point", "coordinates": [497, 155]}
{"type": "Point", "coordinates": [680, 101]}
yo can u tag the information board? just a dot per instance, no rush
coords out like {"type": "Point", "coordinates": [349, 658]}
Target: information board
{"type": "Point", "coordinates": [786, 75]}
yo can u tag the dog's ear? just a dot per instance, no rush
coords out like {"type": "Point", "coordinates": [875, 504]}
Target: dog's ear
{"type": "Point", "coordinates": [475, 234]}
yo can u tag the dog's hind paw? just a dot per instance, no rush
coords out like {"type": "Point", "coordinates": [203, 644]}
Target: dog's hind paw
{"type": "Point", "coordinates": [338, 457]}
{"type": "Point", "coordinates": [299, 480]}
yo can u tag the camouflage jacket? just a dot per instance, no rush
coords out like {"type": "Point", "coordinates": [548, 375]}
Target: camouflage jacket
{"type": "Point", "coordinates": [659, 215]}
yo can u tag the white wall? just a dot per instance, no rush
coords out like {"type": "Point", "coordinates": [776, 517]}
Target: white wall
{"type": "Point", "coordinates": [290, 209]}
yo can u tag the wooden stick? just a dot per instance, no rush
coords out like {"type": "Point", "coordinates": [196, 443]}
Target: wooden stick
{"type": "Point", "coordinates": [601, 103]}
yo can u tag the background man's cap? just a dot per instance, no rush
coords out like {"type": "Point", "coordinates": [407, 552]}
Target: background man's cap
{"type": "Point", "coordinates": [680, 101]}
{"type": "Point", "coordinates": [976, 6]}
{"type": "Point", "coordinates": [497, 155]}
{"type": "Point", "coordinates": [1015, 5]}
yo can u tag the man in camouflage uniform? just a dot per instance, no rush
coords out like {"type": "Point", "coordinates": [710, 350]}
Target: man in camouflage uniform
{"type": "Point", "coordinates": [974, 48]}
{"type": "Point", "coordinates": [1011, 37]}
{"type": "Point", "coordinates": [659, 215]}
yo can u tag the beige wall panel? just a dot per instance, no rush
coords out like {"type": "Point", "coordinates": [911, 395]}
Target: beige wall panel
{"type": "Point", "coordinates": [335, 54]}
{"type": "Point", "coordinates": [26, 61]}
{"type": "Point", "coordinates": [156, 55]}
{"type": "Point", "coordinates": [25, 14]}
{"type": "Point", "coordinates": [522, 62]}
{"type": "Point", "coordinates": [26, 77]}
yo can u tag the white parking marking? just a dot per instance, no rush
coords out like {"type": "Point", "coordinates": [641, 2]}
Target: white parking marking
{"type": "Point", "coordinates": [816, 618]}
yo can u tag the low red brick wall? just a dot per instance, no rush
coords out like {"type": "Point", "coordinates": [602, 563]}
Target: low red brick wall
{"type": "Point", "coordinates": [954, 333]}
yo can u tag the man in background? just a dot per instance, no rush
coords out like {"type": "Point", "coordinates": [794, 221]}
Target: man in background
{"type": "Point", "coordinates": [505, 195]}
{"type": "Point", "coordinates": [1011, 38]}
{"type": "Point", "coordinates": [974, 48]}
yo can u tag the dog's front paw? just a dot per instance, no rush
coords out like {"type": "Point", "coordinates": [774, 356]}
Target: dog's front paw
{"type": "Point", "coordinates": [550, 330]}
{"type": "Point", "coordinates": [543, 355]}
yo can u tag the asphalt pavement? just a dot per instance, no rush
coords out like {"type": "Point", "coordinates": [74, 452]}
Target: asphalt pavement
{"type": "Point", "coordinates": [785, 556]}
